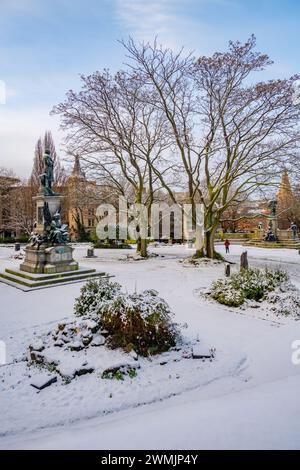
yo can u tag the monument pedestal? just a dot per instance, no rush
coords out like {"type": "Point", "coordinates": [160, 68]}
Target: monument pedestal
{"type": "Point", "coordinates": [49, 260]}
{"type": "Point", "coordinates": [47, 266]}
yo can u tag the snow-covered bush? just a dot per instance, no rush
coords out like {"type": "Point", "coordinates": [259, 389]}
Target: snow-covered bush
{"type": "Point", "coordinates": [224, 292]}
{"type": "Point", "coordinates": [141, 321]}
{"type": "Point", "coordinates": [252, 284]}
{"type": "Point", "coordinates": [285, 303]}
{"type": "Point", "coordinates": [94, 293]}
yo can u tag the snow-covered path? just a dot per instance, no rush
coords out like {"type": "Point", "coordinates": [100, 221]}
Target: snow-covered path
{"type": "Point", "coordinates": [248, 398]}
{"type": "Point", "coordinates": [256, 418]}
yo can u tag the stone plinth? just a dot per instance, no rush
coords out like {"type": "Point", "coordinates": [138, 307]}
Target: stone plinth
{"type": "Point", "coordinates": [35, 260]}
{"type": "Point", "coordinates": [49, 260]}
{"type": "Point", "coordinates": [54, 204]}
{"type": "Point", "coordinates": [284, 234]}
{"type": "Point", "coordinates": [59, 259]}
{"type": "Point", "coordinates": [259, 234]}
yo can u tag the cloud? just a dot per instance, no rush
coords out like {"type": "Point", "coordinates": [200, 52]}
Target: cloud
{"type": "Point", "coordinates": [147, 19]}
{"type": "Point", "coordinates": [174, 22]}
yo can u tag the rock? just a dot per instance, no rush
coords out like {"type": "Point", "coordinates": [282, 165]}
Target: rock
{"type": "Point", "coordinates": [86, 341]}
{"type": "Point", "coordinates": [59, 343]}
{"type": "Point", "coordinates": [76, 346]}
{"type": "Point", "coordinates": [89, 325]}
{"type": "Point", "coordinates": [37, 345]}
{"type": "Point", "coordinates": [98, 340]}
{"type": "Point", "coordinates": [41, 382]}
{"type": "Point", "coordinates": [36, 356]}
{"type": "Point", "coordinates": [66, 370]}
{"type": "Point", "coordinates": [69, 371]}
{"type": "Point", "coordinates": [86, 325]}
{"type": "Point", "coordinates": [200, 351]}
{"type": "Point", "coordinates": [134, 355]}
{"type": "Point", "coordinates": [84, 370]}
{"type": "Point", "coordinates": [86, 338]}
{"type": "Point", "coordinates": [86, 334]}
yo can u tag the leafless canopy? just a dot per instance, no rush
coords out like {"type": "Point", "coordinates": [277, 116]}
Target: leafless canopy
{"type": "Point", "coordinates": [225, 133]}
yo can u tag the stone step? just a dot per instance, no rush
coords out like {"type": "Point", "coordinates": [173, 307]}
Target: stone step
{"type": "Point", "coordinates": [14, 279]}
{"type": "Point", "coordinates": [43, 277]}
{"type": "Point", "coordinates": [263, 244]}
{"type": "Point", "coordinates": [280, 242]}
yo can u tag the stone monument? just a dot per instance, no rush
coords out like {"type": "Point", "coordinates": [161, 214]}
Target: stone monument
{"type": "Point", "coordinates": [271, 235]}
{"type": "Point", "coordinates": [48, 256]}
{"type": "Point", "coordinates": [48, 251]}
{"type": "Point", "coordinates": [294, 230]}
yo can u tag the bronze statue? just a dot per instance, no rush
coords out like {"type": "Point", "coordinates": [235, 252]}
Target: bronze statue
{"type": "Point", "coordinates": [55, 233]}
{"type": "Point", "coordinates": [294, 229]}
{"type": "Point", "coordinates": [47, 177]}
{"type": "Point", "coordinates": [58, 233]}
{"type": "Point", "coordinates": [273, 206]}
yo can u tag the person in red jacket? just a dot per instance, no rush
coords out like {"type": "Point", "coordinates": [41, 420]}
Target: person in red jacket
{"type": "Point", "coordinates": [227, 245]}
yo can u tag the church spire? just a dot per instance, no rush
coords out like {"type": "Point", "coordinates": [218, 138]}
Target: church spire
{"type": "Point", "coordinates": [77, 171]}
{"type": "Point", "coordinates": [285, 190]}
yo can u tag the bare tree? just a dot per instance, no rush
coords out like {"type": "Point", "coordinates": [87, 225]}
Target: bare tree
{"type": "Point", "coordinates": [8, 181]}
{"type": "Point", "coordinates": [22, 214]}
{"type": "Point", "coordinates": [37, 169]}
{"type": "Point", "coordinates": [229, 132]}
{"type": "Point", "coordinates": [118, 133]}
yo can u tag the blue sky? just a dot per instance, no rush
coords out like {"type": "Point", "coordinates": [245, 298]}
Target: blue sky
{"type": "Point", "coordinates": [46, 44]}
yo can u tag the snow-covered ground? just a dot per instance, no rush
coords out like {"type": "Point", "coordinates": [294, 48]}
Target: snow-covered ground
{"type": "Point", "coordinates": [248, 397]}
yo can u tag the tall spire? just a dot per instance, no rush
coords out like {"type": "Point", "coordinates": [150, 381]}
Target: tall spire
{"type": "Point", "coordinates": [77, 171]}
{"type": "Point", "coordinates": [285, 192]}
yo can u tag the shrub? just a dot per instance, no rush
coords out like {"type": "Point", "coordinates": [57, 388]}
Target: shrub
{"type": "Point", "coordinates": [252, 284]}
{"type": "Point", "coordinates": [141, 321]}
{"type": "Point", "coordinates": [95, 293]}
{"type": "Point", "coordinates": [120, 374]}
{"type": "Point", "coordinates": [285, 303]}
{"type": "Point", "coordinates": [224, 293]}
{"type": "Point", "coordinates": [120, 246]}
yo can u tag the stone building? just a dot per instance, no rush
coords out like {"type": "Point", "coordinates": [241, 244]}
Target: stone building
{"type": "Point", "coordinates": [82, 197]}
{"type": "Point", "coordinates": [287, 206]}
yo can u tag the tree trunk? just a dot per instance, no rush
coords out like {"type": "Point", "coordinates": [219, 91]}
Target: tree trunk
{"type": "Point", "coordinates": [143, 251]}
{"type": "Point", "coordinates": [209, 240]}
{"type": "Point", "coordinates": [209, 243]}
{"type": "Point", "coordinates": [141, 246]}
